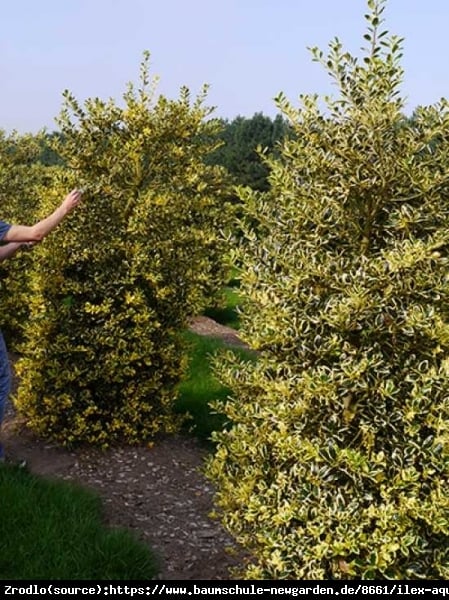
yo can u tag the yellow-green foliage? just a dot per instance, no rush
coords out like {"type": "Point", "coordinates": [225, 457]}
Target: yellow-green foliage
{"type": "Point", "coordinates": [115, 284]}
{"type": "Point", "coordinates": [22, 178]}
{"type": "Point", "coordinates": [160, 145]}
{"type": "Point", "coordinates": [337, 463]}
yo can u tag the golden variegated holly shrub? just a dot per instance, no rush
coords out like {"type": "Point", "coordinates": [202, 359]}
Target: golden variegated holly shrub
{"type": "Point", "coordinates": [22, 179]}
{"type": "Point", "coordinates": [336, 465]}
{"type": "Point", "coordinates": [114, 285]}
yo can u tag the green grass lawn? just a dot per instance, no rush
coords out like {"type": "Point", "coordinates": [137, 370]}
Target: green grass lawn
{"type": "Point", "coordinates": [200, 386]}
{"type": "Point", "coordinates": [53, 530]}
{"type": "Point", "coordinates": [227, 314]}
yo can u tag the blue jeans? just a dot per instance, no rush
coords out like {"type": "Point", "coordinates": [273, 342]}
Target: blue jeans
{"type": "Point", "coordinates": [5, 381]}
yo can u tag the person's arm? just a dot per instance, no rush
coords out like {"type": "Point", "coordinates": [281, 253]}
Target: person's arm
{"type": "Point", "coordinates": [37, 232]}
{"type": "Point", "coordinates": [10, 249]}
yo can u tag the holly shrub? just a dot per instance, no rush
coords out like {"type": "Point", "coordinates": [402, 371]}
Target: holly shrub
{"type": "Point", "coordinates": [114, 285]}
{"type": "Point", "coordinates": [336, 462]}
{"type": "Point", "coordinates": [22, 179]}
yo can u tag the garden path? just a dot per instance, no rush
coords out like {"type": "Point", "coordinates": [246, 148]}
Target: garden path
{"type": "Point", "coordinates": [158, 492]}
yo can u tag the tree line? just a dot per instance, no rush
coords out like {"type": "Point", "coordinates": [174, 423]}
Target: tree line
{"type": "Point", "coordinates": [242, 144]}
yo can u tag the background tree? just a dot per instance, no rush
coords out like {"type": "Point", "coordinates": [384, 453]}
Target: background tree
{"type": "Point", "coordinates": [241, 138]}
{"type": "Point", "coordinates": [337, 461]}
{"type": "Point", "coordinates": [48, 155]}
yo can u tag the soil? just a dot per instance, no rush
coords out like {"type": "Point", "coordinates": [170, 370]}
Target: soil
{"type": "Point", "coordinates": [158, 492]}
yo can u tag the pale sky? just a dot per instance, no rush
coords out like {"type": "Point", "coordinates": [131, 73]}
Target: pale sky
{"type": "Point", "coordinates": [246, 50]}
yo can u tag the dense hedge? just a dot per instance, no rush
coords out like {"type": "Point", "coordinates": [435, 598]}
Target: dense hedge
{"type": "Point", "coordinates": [22, 180]}
{"type": "Point", "coordinates": [115, 284]}
{"type": "Point", "coordinates": [337, 462]}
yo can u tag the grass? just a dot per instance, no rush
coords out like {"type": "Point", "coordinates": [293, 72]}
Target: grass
{"type": "Point", "coordinates": [200, 386]}
{"type": "Point", "coordinates": [53, 530]}
{"type": "Point", "coordinates": [228, 314]}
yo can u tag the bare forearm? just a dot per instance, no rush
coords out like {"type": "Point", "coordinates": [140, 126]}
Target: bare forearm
{"type": "Point", "coordinates": [37, 232]}
{"type": "Point", "coordinates": [9, 250]}
{"type": "Point", "coordinates": [43, 228]}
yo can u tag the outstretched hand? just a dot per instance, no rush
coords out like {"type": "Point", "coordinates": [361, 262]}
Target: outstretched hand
{"type": "Point", "coordinates": [72, 200]}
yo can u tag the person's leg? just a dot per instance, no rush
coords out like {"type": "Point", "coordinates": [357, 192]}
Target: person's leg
{"type": "Point", "coordinates": [5, 384]}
